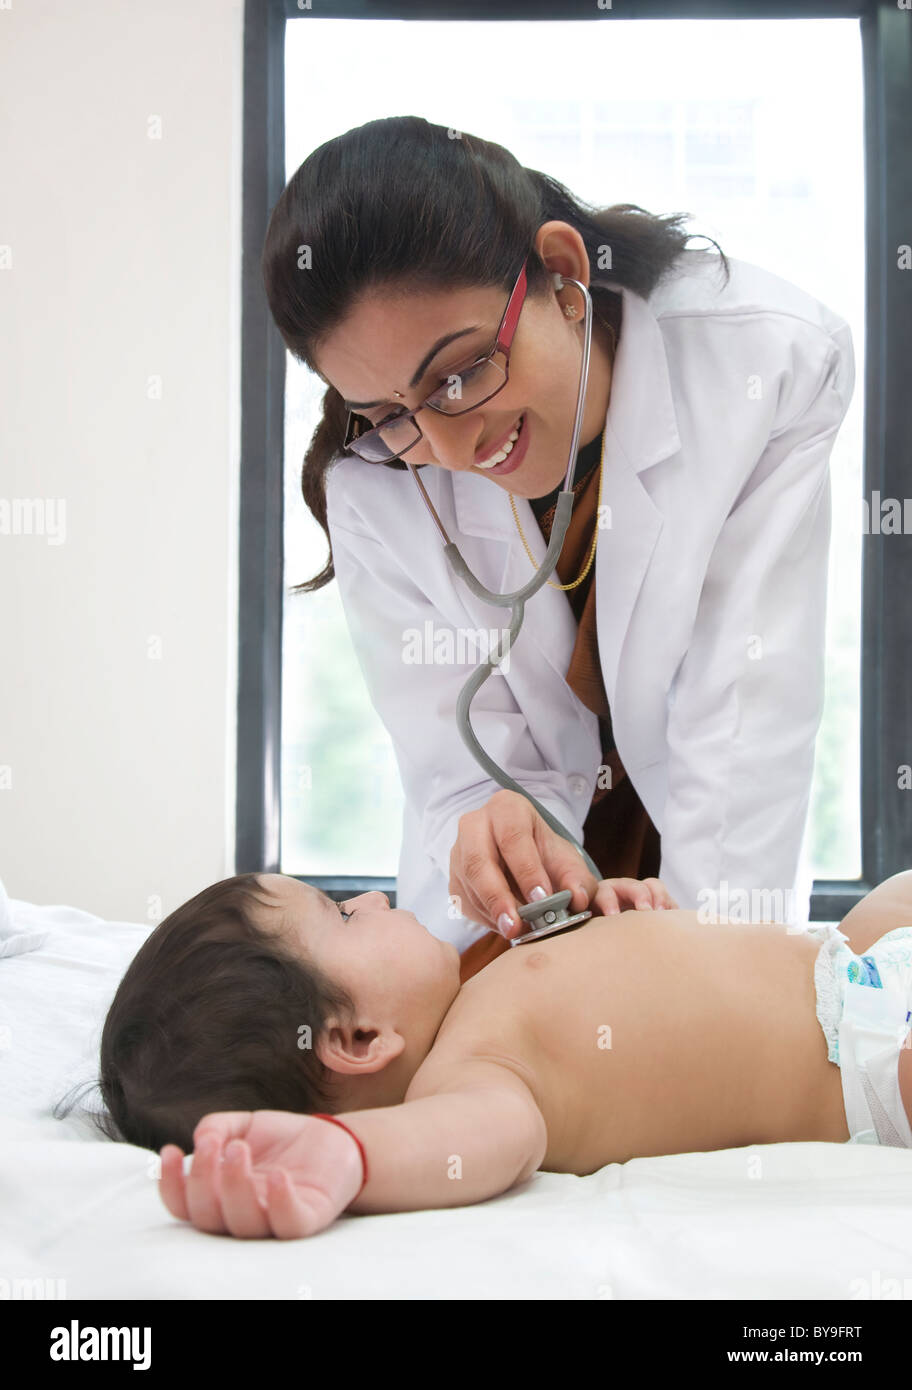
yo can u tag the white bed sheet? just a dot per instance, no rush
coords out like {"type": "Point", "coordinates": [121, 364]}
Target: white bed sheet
{"type": "Point", "coordinates": [773, 1221]}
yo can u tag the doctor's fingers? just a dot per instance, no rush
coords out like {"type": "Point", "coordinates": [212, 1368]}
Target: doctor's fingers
{"type": "Point", "coordinates": [480, 879]}
{"type": "Point", "coordinates": [503, 851]}
{"type": "Point", "coordinates": [493, 897]}
{"type": "Point", "coordinates": [525, 840]}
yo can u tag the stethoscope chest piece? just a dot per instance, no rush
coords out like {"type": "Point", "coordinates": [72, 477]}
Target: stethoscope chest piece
{"type": "Point", "coordinates": [547, 917]}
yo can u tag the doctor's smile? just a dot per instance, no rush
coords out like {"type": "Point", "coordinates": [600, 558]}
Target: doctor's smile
{"type": "Point", "coordinates": [509, 454]}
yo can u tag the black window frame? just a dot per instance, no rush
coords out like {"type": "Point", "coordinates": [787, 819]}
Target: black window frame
{"type": "Point", "coordinates": [886, 636]}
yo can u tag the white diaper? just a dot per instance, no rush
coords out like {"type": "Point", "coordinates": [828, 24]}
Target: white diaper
{"type": "Point", "coordinates": [864, 1005]}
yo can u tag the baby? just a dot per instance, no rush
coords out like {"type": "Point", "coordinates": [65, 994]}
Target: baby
{"type": "Point", "coordinates": [261, 1006]}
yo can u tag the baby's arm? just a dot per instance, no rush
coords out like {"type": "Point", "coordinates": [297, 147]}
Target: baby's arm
{"type": "Point", "coordinates": [472, 1130]}
{"type": "Point", "coordinates": [468, 1131]}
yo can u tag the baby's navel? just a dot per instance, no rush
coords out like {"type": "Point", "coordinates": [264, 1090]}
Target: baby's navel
{"type": "Point", "coordinates": [536, 959]}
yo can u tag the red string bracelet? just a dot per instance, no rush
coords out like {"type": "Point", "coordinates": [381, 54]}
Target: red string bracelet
{"type": "Point", "coordinates": [335, 1121]}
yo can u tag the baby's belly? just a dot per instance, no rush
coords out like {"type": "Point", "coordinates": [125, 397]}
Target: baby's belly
{"type": "Point", "coordinates": [656, 1034]}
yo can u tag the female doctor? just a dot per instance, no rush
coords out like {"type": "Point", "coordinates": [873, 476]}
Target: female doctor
{"type": "Point", "coordinates": [663, 697]}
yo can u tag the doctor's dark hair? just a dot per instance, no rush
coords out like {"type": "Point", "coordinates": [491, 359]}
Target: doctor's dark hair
{"type": "Point", "coordinates": [208, 1016]}
{"type": "Point", "coordinates": [402, 203]}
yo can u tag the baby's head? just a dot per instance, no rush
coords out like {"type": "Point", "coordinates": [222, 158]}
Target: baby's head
{"type": "Point", "coordinates": [262, 994]}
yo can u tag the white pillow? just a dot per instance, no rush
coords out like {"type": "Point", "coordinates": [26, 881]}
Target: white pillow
{"type": "Point", "coordinates": [59, 971]}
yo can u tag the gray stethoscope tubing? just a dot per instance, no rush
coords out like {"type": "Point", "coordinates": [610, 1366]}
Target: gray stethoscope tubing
{"type": "Point", "coordinates": [516, 601]}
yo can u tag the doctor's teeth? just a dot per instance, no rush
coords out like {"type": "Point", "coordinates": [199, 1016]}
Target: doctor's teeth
{"type": "Point", "coordinates": [503, 453]}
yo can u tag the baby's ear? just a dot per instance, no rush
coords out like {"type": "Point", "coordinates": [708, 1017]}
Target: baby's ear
{"type": "Point", "coordinates": [350, 1051]}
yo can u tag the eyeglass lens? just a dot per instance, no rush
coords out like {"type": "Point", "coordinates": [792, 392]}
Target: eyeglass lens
{"type": "Point", "coordinates": [399, 433]}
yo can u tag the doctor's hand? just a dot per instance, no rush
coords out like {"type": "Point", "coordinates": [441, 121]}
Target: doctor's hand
{"type": "Point", "coordinates": [504, 850]}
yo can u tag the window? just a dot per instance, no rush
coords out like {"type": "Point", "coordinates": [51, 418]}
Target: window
{"type": "Point", "coordinates": [769, 158]}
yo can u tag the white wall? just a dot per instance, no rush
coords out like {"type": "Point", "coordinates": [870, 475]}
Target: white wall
{"type": "Point", "coordinates": [116, 765]}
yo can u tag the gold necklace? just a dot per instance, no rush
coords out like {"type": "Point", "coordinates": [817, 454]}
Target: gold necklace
{"type": "Point", "coordinates": [594, 534]}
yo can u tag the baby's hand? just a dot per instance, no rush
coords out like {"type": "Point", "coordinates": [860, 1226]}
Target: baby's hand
{"type": "Point", "coordinates": [283, 1174]}
{"type": "Point", "coordinates": [614, 893]}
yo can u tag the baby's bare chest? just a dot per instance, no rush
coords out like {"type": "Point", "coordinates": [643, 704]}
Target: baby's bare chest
{"type": "Point", "coordinates": [551, 1010]}
{"type": "Point", "coordinates": [615, 1028]}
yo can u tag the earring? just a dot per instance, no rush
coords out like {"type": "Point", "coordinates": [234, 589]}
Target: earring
{"type": "Point", "coordinates": [558, 283]}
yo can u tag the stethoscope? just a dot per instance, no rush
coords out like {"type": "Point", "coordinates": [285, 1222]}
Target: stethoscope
{"type": "Point", "coordinates": [549, 915]}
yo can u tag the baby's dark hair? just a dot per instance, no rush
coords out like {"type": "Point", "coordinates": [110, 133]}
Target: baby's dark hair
{"type": "Point", "coordinates": [214, 1013]}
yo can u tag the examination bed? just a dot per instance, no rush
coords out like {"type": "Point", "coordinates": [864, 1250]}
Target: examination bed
{"type": "Point", "coordinates": [83, 1213]}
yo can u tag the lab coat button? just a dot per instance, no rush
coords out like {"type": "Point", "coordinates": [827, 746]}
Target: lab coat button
{"type": "Point", "coordinates": [578, 785]}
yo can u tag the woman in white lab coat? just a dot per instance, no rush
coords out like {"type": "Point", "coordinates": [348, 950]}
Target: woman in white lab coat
{"type": "Point", "coordinates": [664, 694]}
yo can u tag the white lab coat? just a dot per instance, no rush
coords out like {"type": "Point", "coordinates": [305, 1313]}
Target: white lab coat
{"type": "Point", "coordinates": [710, 600]}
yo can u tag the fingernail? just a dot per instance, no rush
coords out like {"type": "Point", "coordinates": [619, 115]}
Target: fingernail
{"type": "Point", "coordinates": [643, 907]}
{"type": "Point", "coordinates": [233, 1151]}
{"type": "Point", "coordinates": [537, 894]}
{"type": "Point", "coordinates": [615, 912]}
{"type": "Point", "coordinates": [505, 924]}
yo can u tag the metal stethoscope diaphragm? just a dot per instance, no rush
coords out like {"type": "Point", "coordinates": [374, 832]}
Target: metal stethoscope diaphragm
{"type": "Point", "coordinates": [549, 916]}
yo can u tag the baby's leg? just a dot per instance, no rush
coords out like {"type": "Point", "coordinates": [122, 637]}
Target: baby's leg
{"type": "Point", "coordinates": [884, 908]}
